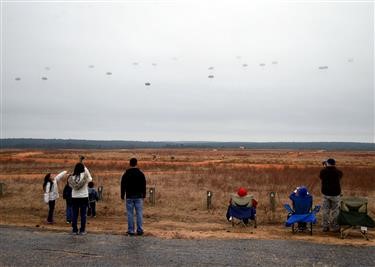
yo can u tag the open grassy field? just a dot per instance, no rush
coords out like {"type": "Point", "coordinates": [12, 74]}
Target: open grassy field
{"type": "Point", "coordinates": [181, 178]}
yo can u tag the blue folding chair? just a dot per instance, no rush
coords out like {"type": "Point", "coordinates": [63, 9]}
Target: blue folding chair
{"type": "Point", "coordinates": [242, 210]}
{"type": "Point", "coordinates": [301, 213]}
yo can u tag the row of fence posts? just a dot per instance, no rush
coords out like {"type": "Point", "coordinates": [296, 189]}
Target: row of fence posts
{"type": "Point", "coordinates": [152, 196]}
{"type": "Point", "coordinates": [272, 197]}
{"type": "Point", "coordinates": [152, 199]}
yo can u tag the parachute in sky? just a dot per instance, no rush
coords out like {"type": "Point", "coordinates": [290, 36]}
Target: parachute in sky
{"type": "Point", "coordinates": [262, 65]}
{"type": "Point", "coordinates": [147, 84]}
{"type": "Point", "coordinates": [244, 65]}
{"type": "Point", "coordinates": [211, 68]}
{"type": "Point", "coordinates": [109, 73]}
{"type": "Point", "coordinates": [274, 62]}
{"type": "Point", "coordinates": [211, 76]}
{"type": "Point", "coordinates": [44, 78]}
{"type": "Point", "coordinates": [91, 66]}
{"type": "Point", "coordinates": [154, 64]}
{"type": "Point", "coordinates": [17, 79]}
{"type": "Point", "coordinates": [47, 68]}
{"type": "Point", "coordinates": [323, 67]}
{"type": "Point", "coordinates": [350, 60]}
{"type": "Point", "coordinates": [135, 63]}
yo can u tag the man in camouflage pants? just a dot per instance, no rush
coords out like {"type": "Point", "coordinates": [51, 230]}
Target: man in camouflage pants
{"type": "Point", "coordinates": [330, 177]}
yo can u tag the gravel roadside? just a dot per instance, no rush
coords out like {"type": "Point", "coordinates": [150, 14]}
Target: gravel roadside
{"type": "Point", "coordinates": [26, 247]}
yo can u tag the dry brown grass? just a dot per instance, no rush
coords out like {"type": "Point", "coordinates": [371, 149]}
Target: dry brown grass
{"type": "Point", "coordinates": [181, 183]}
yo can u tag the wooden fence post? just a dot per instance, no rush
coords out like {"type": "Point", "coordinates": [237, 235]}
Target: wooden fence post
{"type": "Point", "coordinates": [209, 200]}
{"type": "Point", "coordinates": [2, 189]}
{"type": "Point", "coordinates": [100, 192]}
{"type": "Point", "coordinates": [151, 195]}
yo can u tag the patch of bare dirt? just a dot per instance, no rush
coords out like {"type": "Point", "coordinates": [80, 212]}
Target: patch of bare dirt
{"type": "Point", "coordinates": [200, 230]}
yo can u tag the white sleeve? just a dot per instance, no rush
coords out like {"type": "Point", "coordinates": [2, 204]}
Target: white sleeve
{"type": "Point", "coordinates": [46, 193]}
{"type": "Point", "coordinates": [60, 175]}
{"type": "Point", "coordinates": [89, 178]}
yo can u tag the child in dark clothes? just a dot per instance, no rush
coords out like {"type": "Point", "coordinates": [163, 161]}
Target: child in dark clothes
{"type": "Point", "coordinates": [67, 195]}
{"type": "Point", "coordinates": [93, 197]}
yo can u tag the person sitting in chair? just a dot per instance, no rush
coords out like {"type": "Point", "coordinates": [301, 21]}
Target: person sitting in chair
{"type": "Point", "coordinates": [302, 203]}
{"type": "Point", "coordinates": [242, 199]}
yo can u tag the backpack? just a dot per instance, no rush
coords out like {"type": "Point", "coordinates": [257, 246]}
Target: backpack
{"type": "Point", "coordinates": [67, 193]}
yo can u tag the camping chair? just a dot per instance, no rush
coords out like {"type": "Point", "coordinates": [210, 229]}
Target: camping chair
{"type": "Point", "coordinates": [301, 213]}
{"type": "Point", "coordinates": [353, 214]}
{"type": "Point", "coordinates": [242, 209]}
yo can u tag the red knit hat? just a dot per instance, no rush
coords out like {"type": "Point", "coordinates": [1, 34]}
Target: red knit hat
{"type": "Point", "coordinates": [242, 192]}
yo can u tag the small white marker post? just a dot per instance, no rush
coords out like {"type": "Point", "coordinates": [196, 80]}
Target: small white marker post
{"type": "Point", "coordinates": [209, 200]}
{"type": "Point", "coordinates": [151, 198]}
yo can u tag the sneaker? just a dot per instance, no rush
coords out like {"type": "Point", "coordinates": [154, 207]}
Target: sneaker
{"type": "Point", "coordinates": [74, 233]}
{"type": "Point", "coordinates": [230, 218]}
{"type": "Point", "coordinates": [325, 229]}
{"type": "Point", "coordinates": [83, 233]}
{"type": "Point", "coordinates": [130, 233]}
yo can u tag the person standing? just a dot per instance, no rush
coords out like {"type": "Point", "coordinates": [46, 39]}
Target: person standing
{"type": "Point", "coordinates": [133, 185]}
{"type": "Point", "coordinates": [80, 196]}
{"type": "Point", "coordinates": [93, 198]}
{"type": "Point", "coordinates": [67, 195]}
{"type": "Point", "coordinates": [330, 178]}
{"type": "Point", "coordinates": [51, 193]}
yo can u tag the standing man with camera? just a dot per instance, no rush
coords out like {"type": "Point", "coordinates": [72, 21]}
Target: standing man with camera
{"type": "Point", "coordinates": [133, 184]}
{"type": "Point", "coordinates": [330, 178]}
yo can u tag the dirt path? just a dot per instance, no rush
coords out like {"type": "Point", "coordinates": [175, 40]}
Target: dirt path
{"type": "Point", "coordinates": [169, 229]}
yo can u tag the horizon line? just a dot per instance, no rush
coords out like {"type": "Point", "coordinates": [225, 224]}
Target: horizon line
{"type": "Point", "coordinates": [180, 141]}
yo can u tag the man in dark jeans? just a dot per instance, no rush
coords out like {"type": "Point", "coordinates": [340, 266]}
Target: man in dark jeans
{"type": "Point", "coordinates": [133, 184]}
{"type": "Point", "coordinates": [330, 177]}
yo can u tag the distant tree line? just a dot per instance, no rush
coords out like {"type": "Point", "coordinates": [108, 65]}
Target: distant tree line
{"type": "Point", "coordinates": [30, 143]}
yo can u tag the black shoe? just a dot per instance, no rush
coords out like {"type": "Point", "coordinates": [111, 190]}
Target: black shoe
{"type": "Point", "coordinates": [140, 233]}
{"type": "Point", "coordinates": [130, 234]}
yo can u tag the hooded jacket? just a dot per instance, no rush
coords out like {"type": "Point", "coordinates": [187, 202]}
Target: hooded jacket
{"type": "Point", "coordinates": [83, 191]}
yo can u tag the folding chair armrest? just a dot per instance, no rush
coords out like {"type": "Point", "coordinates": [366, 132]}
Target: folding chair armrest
{"type": "Point", "coordinates": [289, 208]}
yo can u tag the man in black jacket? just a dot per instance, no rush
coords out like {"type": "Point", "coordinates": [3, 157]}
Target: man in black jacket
{"type": "Point", "coordinates": [133, 185]}
{"type": "Point", "coordinates": [330, 177]}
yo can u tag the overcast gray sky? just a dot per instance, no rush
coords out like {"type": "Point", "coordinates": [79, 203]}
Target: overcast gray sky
{"type": "Point", "coordinates": [268, 82]}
